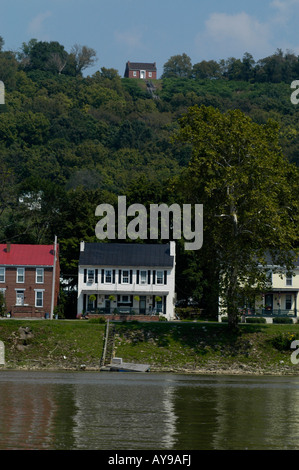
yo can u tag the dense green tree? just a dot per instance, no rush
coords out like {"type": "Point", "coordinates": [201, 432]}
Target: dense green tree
{"type": "Point", "coordinates": [43, 55]}
{"type": "Point", "coordinates": [83, 57]}
{"type": "Point", "coordinates": [8, 69]}
{"type": "Point", "coordinates": [178, 66]}
{"type": "Point", "coordinates": [206, 69]}
{"type": "Point", "coordinates": [237, 171]}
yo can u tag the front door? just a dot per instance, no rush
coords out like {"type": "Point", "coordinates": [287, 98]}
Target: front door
{"type": "Point", "coordinates": [107, 306]}
{"type": "Point", "coordinates": [269, 302]}
{"type": "Point", "coordinates": [20, 297]}
{"type": "Point", "coordinates": [142, 305]}
{"type": "Point", "coordinates": [142, 74]}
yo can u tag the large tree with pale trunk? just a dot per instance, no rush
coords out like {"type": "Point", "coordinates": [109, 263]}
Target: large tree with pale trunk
{"type": "Point", "coordinates": [249, 193]}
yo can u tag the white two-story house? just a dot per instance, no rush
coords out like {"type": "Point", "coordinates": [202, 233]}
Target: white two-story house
{"type": "Point", "coordinates": [280, 299]}
{"type": "Point", "coordinates": [127, 278]}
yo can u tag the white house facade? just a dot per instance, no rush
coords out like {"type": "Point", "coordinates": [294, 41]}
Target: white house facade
{"type": "Point", "coordinates": [279, 300]}
{"type": "Point", "coordinates": [127, 279]}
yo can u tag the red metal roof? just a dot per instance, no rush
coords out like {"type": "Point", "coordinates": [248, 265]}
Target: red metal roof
{"type": "Point", "coordinates": [26, 255]}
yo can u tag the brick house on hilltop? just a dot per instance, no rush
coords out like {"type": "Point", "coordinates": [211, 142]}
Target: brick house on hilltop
{"type": "Point", "coordinates": [28, 279]}
{"type": "Point", "coordinates": [146, 71]}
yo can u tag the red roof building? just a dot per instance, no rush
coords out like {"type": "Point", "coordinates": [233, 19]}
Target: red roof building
{"type": "Point", "coordinates": [29, 279]}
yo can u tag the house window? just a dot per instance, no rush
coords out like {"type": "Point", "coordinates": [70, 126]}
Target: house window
{"type": "Point", "coordinates": [150, 74]}
{"type": "Point", "coordinates": [39, 298]}
{"type": "Point", "coordinates": [108, 276]}
{"type": "Point", "coordinates": [2, 297]}
{"type": "Point", "coordinates": [39, 275]}
{"type": "Point", "coordinates": [125, 277]}
{"type": "Point", "coordinates": [159, 277]}
{"type": "Point", "coordinates": [2, 274]}
{"type": "Point", "coordinates": [143, 275]}
{"type": "Point", "coordinates": [289, 280]}
{"type": "Point", "coordinates": [134, 74]}
{"type": "Point", "coordinates": [269, 277]}
{"type": "Point", "coordinates": [90, 275]}
{"type": "Point", "coordinates": [288, 302]}
{"type": "Point", "coordinates": [20, 274]}
{"type": "Point", "coordinates": [125, 298]}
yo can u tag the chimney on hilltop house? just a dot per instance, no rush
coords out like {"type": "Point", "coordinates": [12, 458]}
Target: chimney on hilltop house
{"type": "Point", "coordinates": [82, 246]}
{"type": "Point", "coordinates": [8, 247]}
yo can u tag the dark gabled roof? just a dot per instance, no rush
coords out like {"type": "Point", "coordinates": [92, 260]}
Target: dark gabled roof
{"type": "Point", "coordinates": [126, 254]}
{"type": "Point", "coordinates": [269, 259]}
{"type": "Point", "coordinates": [151, 67]}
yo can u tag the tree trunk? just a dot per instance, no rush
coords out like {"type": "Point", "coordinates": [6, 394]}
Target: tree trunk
{"type": "Point", "coordinates": [232, 299]}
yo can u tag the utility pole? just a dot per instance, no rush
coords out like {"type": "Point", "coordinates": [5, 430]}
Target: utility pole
{"type": "Point", "coordinates": [53, 278]}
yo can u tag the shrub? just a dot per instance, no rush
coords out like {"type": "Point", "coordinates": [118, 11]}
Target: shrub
{"type": "Point", "coordinates": [97, 320]}
{"type": "Point", "coordinates": [162, 318]}
{"type": "Point", "coordinates": [286, 320]}
{"type": "Point", "coordinates": [282, 341]}
{"type": "Point", "coordinates": [255, 320]}
{"type": "Point", "coordinates": [188, 312]}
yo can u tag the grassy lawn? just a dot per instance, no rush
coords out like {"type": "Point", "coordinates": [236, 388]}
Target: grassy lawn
{"type": "Point", "coordinates": [177, 346]}
{"type": "Point", "coordinates": [52, 342]}
{"type": "Point", "coordinates": [196, 345]}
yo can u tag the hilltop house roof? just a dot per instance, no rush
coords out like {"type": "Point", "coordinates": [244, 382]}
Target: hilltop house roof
{"type": "Point", "coordinates": [151, 67]}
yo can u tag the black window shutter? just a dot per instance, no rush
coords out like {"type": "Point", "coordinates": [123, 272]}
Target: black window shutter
{"type": "Point", "coordinates": [96, 276]}
{"type": "Point", "coordinates": [164, 302]}
{"type": "Point", "coordinates": [85, 275]}
{"type": "Point", "coordinates": [149, 276]}
{"type": "Point", "coordinates": [154, 277]}
{"type": "Point", "coordinates": [137, 276]}
{"type": "Point", "coordinates": [131, 276]}
{"type": "Point", "coordinates": [84, 302]}
{"type": "Point", "coordinates": [102, 280]}
{"type": "Point", "coordinates": [113, 274]}
{"type": "Point", "coordinates": [119, 276]}
{"type": "Point", "coordinates": [165, 277]}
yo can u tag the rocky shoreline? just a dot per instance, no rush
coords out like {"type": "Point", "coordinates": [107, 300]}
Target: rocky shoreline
{"type": "Point", "coordinates": [209, 369]}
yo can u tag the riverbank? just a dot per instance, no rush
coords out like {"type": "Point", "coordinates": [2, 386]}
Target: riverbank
{"type": "Point", "coordinates": [181, 347]}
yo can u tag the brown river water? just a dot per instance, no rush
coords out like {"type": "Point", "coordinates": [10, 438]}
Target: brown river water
{"type": "Point", "coordinates": [120, 411]}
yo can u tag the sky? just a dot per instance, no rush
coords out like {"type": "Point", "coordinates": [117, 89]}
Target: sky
{"type": "Point", "coordinates": [154, 30]}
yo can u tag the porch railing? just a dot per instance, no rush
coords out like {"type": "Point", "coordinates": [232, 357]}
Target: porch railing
{"type": "Point", "coordinates": [124, 311]}
{"type": "Point", "coordinates": [269, 312]}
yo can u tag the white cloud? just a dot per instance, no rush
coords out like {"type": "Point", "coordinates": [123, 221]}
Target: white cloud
{"type": "Point", "coordinates": [228, 35]}
{"type": "Point", "coordinates": [36, 25]}
{"type": "Point", "coordinates": [128, 38]}
{"type": "Point", "coordinates": [284, 5]}
{"type": "Point", "coordinates": [285, 11]}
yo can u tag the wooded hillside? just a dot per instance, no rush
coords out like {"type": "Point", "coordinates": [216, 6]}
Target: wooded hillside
{"type": "Point", "coordinates": [69, 142]}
